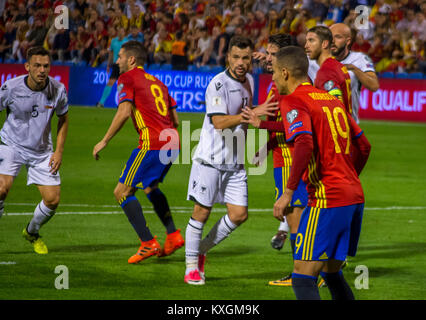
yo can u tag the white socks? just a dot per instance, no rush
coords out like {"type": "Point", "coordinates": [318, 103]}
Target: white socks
{"type": "Point", "coordinates": [284, 226]}
{"type": "Point", "coordinates": [42, 214]}
{"type": "Point", "coordinates": [195, 246]}
{"type": "Point", "coordinates": [219, 232]}
{"type": "Point", "coordinates": [194, 232]}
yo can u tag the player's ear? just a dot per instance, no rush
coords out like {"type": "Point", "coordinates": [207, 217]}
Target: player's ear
{"type": "Point", "coordinates": [27, 66]}
{"type": "Point", "coordinates": [326, 44]}
{"type": "Point", "coordinates": [284, 73]}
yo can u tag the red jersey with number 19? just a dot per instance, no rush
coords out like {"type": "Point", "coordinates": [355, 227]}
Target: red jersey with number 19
{"type": "Point", "coordinates": [331, 178]}
{"type": "Point", "coordinates": [151, 104]}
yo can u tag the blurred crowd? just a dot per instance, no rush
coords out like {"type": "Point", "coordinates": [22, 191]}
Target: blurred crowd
{"type": "Point", "coordinates": [194, 32]}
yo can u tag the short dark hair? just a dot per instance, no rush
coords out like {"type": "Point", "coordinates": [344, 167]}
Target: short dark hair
{"type": "Point", "coordinates": [135, 49]}
{"type": "Point", "coordinates": [240, 42]}
{"type": "Point", "coordinates": [295, 60]}
{"type": "Point", "coordinates": [281, 40]}
{"type": "Point", "coordinates": [37, 51]}
{"type": "Point", "coordinates": [323, 33]}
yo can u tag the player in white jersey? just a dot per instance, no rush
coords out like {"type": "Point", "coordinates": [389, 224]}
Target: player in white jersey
{"type": "Point", "coordinates": [30, 102]}
{"type": "Point", "coordinates": [359, 65]}
{"type": "Point", "coordinates": [218, 174]}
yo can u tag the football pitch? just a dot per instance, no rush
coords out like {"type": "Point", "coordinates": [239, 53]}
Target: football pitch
{"type": "Point", "coordinates": [93, 239]}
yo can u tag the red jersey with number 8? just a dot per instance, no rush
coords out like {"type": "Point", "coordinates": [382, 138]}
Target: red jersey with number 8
{"type": "Point", "coordinates": [331, 178]}
{"type": "Point", "coordinates": [151, 104]}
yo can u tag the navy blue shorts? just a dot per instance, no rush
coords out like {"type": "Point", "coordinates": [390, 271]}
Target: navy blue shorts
{"type": "Point", "coordinates": [145, 168]}
{"type": "Point", "coordinates": [328, 233]}
{"type": "Point", "coordinates": [300, 195]}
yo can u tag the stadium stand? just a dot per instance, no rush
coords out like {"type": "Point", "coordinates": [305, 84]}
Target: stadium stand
{"type": "Point", "coordinates": [395, 38]}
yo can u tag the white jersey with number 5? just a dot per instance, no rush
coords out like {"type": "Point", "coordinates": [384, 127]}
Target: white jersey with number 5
{"type": "Point", "coordinates": [225, 149]}
{"type": "Point", "coordinates": [29, 113]}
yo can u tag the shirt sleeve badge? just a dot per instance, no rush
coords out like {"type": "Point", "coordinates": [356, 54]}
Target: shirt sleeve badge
{"type": "Point", "coordinates": [291, 115]}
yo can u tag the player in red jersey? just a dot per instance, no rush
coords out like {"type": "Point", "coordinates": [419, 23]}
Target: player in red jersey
{"type": "Point", "coordinates": [325, 138]}
{"type": "Point", "coordinates": [332, 76]}
{"type": "Point", "coordinates": [281, 155]}
{"type": "Point", "coordinates": [146, 100]}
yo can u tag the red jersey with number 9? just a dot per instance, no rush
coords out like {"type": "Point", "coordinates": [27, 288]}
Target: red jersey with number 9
{"type": "Point", "coordinates": [151, 104]}
{"type": "Point", "coordinates": [331, 178]}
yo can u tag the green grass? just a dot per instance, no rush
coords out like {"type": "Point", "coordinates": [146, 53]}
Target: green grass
{"type": "Point", "coordinates": [95, 247]}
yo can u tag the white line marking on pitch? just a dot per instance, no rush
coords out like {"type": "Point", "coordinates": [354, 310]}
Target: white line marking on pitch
{"type": "Point", "coordinates": [174, 209]}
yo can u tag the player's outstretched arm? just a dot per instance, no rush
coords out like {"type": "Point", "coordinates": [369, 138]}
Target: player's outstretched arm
{"type": "Point", "coordinates": [257, 55]}
{"type": "Point", "coordinates": [56, 159]}
{"type": "Point", "coordinates": [250, 117]}
{"type": "Point", "coordinates": [226, 121]}
{"type": "Point", "coordinates": [123, 113]}
{"type": "Point", "coordinates": [267, 108]}
{"type": "Point", "coordinates": [368, 79]}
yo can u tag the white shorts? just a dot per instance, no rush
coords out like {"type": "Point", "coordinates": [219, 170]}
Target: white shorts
{"type": "Point", "coordinates": [11, 161]}
{"type": "Point", "coordinates": [208, 185]}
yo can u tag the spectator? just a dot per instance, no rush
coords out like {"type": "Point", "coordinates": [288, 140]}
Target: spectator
{"type": "Point", "coordinates": [262, 41]}
{"type": "Point", "coordinates": [377, 49]}
{"type": "Point", "coordinates": [6, 43]}
{"type": "Point", "coordinates": [73, 49]}
{"type": "Point", "coordinates": [213, 19]}
{"type": "Point", "coordinates": [302, 23]}
{"type": "Point", "coordinates": [21, 32]}
{"type": "Point", "coordinates": [81, 6]}
{"type": "Point", "coordinates": [85, 45]}
{"type": "Point", "coordinates": [163, 51]}
{"type": "Point", "coordinates": [318, 10]}
{"type": "Point", "coordinates": [75, 20]}
{"type": "Point", "coordinates": [260, 21]}
{"type": "Point", "coordinates": [219, 46]}
{"type": "Point", "coordinates": [419, 28]}
{"type": "Point", "coordinates": [273, 22]}
{"type": "Point", "coordinates": [35, 36]}
{"type": "Point", "coordinates": [261, 5]}
{"type": "Point", "coordinates": [60, 45]}
{"type": "Point", "coordinates": [101, 52]}
{"type": "Point", "coordinates": [397, 64]}
{"type": "Point", "coordinates": [360, 44]}
{"type": "Point", "coordinates": [202, 54]}
{"type": "Point", "coordinates": [336, 11]}
{"type": "Point", "coordinates": [179, 58]}
{"type": "Point", "coordinates": [22, 13]}
{"type": "Point", "coordinates": [277, 5]}
{"type": "Point", "coordinates": [289, 15]}
{"type": "Point", "coordinates": [135, 34]}
{"type": "Point", "coordinates": [394, 24]}
{"type": "Point", "coordinates": [408, 22]}
{"type": "Point", "coordinates": [136, 16]}
{"type": "Point", "coordinates": [396, 14]}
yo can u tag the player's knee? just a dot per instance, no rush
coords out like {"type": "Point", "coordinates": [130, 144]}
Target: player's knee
{"type": "Point", "coordinates": [52, 201]}
{"type": "Point", "coordinates": [3, 191]}
{"type": "Point", "coordinates": [239, 217]}
{"type": "Point", "coordinates": [121, 193]}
